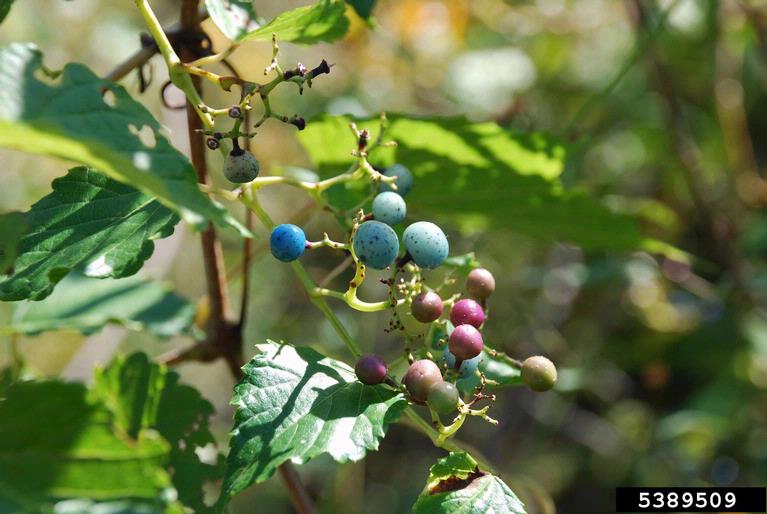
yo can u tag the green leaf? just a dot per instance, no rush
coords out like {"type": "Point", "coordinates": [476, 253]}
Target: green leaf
{"type": "Point", "coordinates": [364, 8]}
{"type": "Point", "coordinates": [5, 8]}
{"type": "Point", "coordinates": [64, 114]}
{"type": "Point", "coordinates": [500, 179]}
{"type": "Point", "coordinates": [121, 446]}
{"type": "Point", "coordinates": [496, 368]}
{"type": "Point", "coordinates": [87, 305]}
{"type": "Point", "coordinates": [235, 18]}
{"type": "Point", "coordinates": [13, 225]}
{"type": "Point", "coordinates": [90, 223]}
{"type": "Point", "coordinates": [457, 485]}
{"type": "Point", "coordinates": [294, 404]}
{"type": "Point", "coordinates": [142, 395]}
{"type": "Point", "coordinates": [55, 443]}
{"type": "Point", "coordinates": [324, 21]}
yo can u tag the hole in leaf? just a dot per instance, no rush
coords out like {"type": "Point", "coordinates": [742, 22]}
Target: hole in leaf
{"type": "Point", "coordinates": [109, 98]}
{"type": "Point", "coordinates": [145, 135]}
{"type": "Point", "coordinates": [455, 484]}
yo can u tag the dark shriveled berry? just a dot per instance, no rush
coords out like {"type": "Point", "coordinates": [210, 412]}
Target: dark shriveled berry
{"type": "Point", "coordinates": [539, 373]}
{"type": "Point", "coordinates": [370, 369]}
{"type": "Point", "coordinates": [235, 112]}
{"type": "Point", "coordinates": [467, 311]}
{"type": "Point", "coordinates": [421, 377]}
{"type": "Point", "coordinates": [427, 307]}
{"type": "Point", "coordinates": [480, 283]}
{"type": "Point", "coordinates": [465, 342]}
{"type": "Point", "coordinates": [443, 398]}
{"type": "Point", "coordinates": [212, 143]}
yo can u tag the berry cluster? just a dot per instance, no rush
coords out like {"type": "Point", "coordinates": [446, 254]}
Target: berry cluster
{"type": "Point", "coordinates": [438, 364]}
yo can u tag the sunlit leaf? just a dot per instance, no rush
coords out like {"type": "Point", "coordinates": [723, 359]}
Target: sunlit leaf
{"type": "Point", "coordinates": [235, 18]}
{"type": "Point", "coordinates": [294, 404]}
{"type": "Point", "coordinates": [90, 223]}
{"type": "Point", "coordinates": [324, 21]}
{"type": "Point", "coordinates": [66, 115]}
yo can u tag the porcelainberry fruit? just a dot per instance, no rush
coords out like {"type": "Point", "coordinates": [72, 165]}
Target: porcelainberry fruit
{"type": "Point", "coordinates": [480, 283]}
{"type": "Point", "coordinates": [465, 342]}
{"type": "Point", "coordinates": [467, 311]}
{"type": "Point", "coordinates": [443, 398]}
{"type": "Point", "coordinates": [426, 307]}
{"type": "Point", "coordinates": [287, 242]}
{"type": "Point", "coordinates": [389, 207]}
{"type": "Point", "coordinates": [467, 367]}
{"type": "Point", "coordinates": [241, 166]}
{"type": "Point", "coordinates": [235, 112]}
{"type": "Point", "coordinates": [212, 143]}
{"type": "Point", "coordinates": [421, 377]}
{"type": "Point", "coordinates": [426, 244]}
{"type": "Point", "coordinates": [404, 180]}
{"type": "Point", "coordinates": [376, 244]}
{"type": "Point", "coordinates": [370, 369]}
{"type": "Point", "coordinates": [539, 373]}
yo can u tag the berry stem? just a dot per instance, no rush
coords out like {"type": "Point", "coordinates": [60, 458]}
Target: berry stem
{"type": "Point", "coordinates": [250, 199]}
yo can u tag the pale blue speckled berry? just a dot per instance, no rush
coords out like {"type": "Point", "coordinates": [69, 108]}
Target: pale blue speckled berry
{"type": "Point", "coordinates": [376, 244]}
{"type": "Point", "coordinates": [404, 181]}
{"type": "Point", "coordinates": [287, 242]}
{"type": "Point", "coordinates": [468, 367]}
{"type": "Point", "coordinates": [389, 207]}
{"type": "Point", "coordinates": [426, 244]}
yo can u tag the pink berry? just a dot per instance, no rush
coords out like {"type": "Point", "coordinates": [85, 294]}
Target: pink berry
{"type": "Point", "coordinates": [465, 342]}
{"type": "Point", "coordinates": [370, 369]}
{"type": "Point", "coordinates": [480, 283]}
{"type": "Point", "coordinates": [467, 311]}
{"type": "Point", "coordinates": [427, 307]}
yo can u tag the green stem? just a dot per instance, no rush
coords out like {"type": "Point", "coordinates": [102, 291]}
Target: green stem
{"type": "Point", "coordinates": [176, 70]}
{"type": "Point", "coordinates": [250, 200]}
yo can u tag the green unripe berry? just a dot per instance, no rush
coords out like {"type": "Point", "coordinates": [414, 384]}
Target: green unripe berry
{"type": "Point", "coordinates": [241, 166]}
{"type": "Point", "coordinates": [539, 373]}
{"type": "Point", "coordinates": [421, 377]}
{"type": "Point", "coordinates": [443, 398]}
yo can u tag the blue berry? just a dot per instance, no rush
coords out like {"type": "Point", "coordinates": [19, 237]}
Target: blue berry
{"type": "Point", "coordinates": [287, 242]}
{"type": "Point", "coordinates": [376, 244]}
{"type": "Point", "coordinates": [389, 207]}
{"type": "Point", "coordinates": [404, 181]}
{"type": "Point", "coordinates": [468, 367]}
{"type": "Point", "coordinates": [426, 244]}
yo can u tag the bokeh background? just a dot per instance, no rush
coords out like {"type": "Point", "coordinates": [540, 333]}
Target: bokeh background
{"type": "Point", "coordinates": [662, 107]}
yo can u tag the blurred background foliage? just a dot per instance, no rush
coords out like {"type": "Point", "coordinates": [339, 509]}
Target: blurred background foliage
{"type": "Point", "coordinates": [661, 111]}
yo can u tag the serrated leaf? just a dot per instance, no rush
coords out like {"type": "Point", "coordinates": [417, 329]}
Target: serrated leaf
{"type": "Point", "coordinates": [13, 226]}
{"type": "Point", "coordinates": [65, 115]}
{"type": "Point", "coordinates": [500, 179]}
{"type": "Point", "coordinates": [294, 404]}
{"type": "Point", "coordinates": [87, 305]}
{"type": "Point", "coordinates": [144, 395]}
{"type": "Point", "coordinates": [121, 446]}
{"type": "Point", "coordinates": [5, 8]}
{"type": "Point", "coordinates": [324, 21]}
{"type": "Point", "coordinates": [364, 8]}
{"type": "Point", "coordinates": [235, 18]}
{"type": "Point", "coordinates": [55, 443]}
{"type": "Point", "coordinates": [90, 223]}
{"type": "Point", "coordinates": [457, 485]}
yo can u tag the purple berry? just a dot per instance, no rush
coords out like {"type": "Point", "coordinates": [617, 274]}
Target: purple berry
{"type": "Point", "coordinates": [370, 369]}
{"type": "Point", "coordinates": [467, 311]}
{"type": "Point", "coordinates": [427, 307]}
{"type": "Point", "coordinates": [465, 342]}
{"type": "Point", "coordinates": [421, 377]}
{"type": "Point", "coordinates": [480, 283]}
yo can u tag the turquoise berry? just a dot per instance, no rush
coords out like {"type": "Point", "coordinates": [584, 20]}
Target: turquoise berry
{"type": "Point", "coordinates": [404, 181]}
{"type": "Point", "coordinates": [389, 208]}
{"type": "Point", "coordinates": [376, 244]}
{"type": "Point", "coordinates": [426, 244]}
{"type": "Point", "coordinates": [287, 242]}
{"type": "Point", "coordinates": [467, 368]}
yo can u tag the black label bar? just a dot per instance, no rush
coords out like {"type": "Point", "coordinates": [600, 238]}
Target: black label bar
{"type": "Point", "coordinates": [691, 499]}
